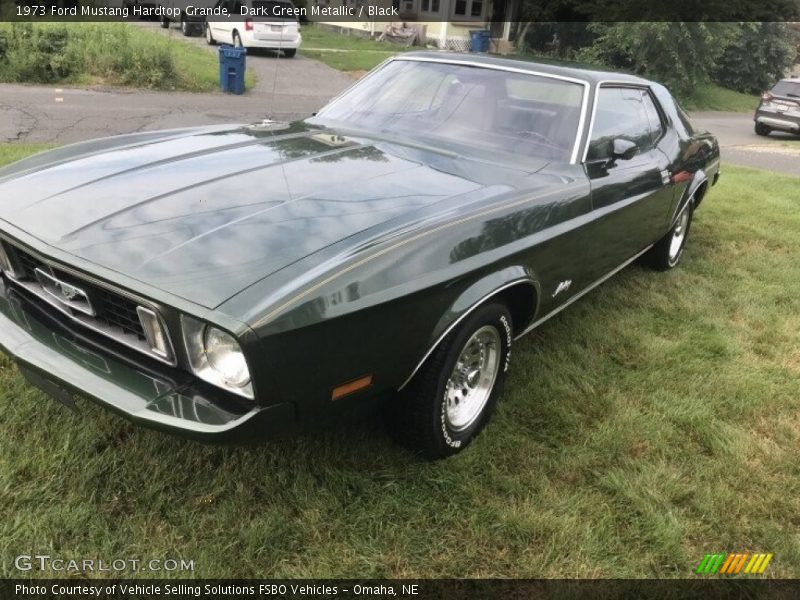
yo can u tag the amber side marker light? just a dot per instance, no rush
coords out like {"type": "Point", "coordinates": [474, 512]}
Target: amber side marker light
{"type": "Point", "coordinates": [351, 386]}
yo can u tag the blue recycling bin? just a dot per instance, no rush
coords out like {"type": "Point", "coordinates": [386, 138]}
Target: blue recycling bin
{"type": "Point", "coordinates": [232, 66]}
{"type": "Point", "coordinates": [479, 40]}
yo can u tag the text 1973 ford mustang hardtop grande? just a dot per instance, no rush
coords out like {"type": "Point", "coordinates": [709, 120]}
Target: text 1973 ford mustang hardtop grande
{"type": "Point", "coordinates": [240, 281]}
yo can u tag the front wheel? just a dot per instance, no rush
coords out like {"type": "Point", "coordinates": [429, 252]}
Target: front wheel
{"type": "Point", "coordinates": [762, 129]}
{"type": "Point", "coordinates": [667, 252]}
{"type": "Point", "coordinates": [186, 28]}
{"type": "Point", "coordinates": [290, 52]}
{"type": "Point", "coordinates": [452, 397]}
{"type": "Point", "coordinates": [164, 22]}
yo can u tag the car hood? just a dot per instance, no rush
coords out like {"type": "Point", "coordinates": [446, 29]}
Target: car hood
{"type": "Point", "coordinates": [204, 213]}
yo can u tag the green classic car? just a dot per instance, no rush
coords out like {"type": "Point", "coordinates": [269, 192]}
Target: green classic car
{"type": "Point", "coordinates": [251, 280]}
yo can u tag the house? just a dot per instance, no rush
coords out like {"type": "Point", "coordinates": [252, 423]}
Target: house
{"type": "Point", "coordinates": [445, 24]}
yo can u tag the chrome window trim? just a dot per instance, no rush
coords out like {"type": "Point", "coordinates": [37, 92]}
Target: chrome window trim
{"type": "Point", "coordinates": [171, 360]}
{"type": "Point", "coordinates": [471, 63]}
{"type": "Point", "coordinates": [608, 83]}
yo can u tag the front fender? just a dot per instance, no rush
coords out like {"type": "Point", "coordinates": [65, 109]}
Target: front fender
{"type": "Point", "coordinates": [473, 296]}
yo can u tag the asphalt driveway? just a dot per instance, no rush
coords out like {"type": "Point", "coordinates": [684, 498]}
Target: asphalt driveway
{"type": "Point", "coordinates": [741, 146]}
{"type": "Point", "coordinates": [287, 89]}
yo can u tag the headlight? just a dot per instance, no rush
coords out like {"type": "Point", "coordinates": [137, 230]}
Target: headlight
{"type": "Point", "coordinates": [216, 357]}
{"type": "Point", "coordinates": [225, 356]}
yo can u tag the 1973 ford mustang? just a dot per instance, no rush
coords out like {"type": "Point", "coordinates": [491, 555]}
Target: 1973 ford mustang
{"type": "Point", "coordinates": [240, 281]}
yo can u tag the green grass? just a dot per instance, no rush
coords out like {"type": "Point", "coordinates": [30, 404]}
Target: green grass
{"type": "Point", "coordinates": [115, 54]}
{"type": "Point", "coordinates": [653, 421]}
{"type": "Point", "coordinates": [345, 52]}
{"type": "Point", "coordinates": [715, 97]}
{"type": "Point", "coordinates": [12, 152]}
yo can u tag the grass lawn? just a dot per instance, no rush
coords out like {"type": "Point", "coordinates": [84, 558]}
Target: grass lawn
{"type": "Point", "coordinates": [346, 52]}
{"type": "Point", "coordinates": [653, 421]}
{"type": "Point", "coordinates": [715, 97]}
{"type": "Point", "coordinates": [105, 53]}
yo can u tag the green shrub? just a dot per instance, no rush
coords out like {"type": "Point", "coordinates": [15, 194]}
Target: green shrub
{"type": "Point", "coordinates": [37, 54]}
{"type": "Point", "coordinates": [116, 53]}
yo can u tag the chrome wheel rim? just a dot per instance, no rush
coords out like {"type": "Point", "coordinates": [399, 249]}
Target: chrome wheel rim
{"type": "Point", "coordinates": [679, 235]}
{"type": "Point", "coordinates": [470, 384]}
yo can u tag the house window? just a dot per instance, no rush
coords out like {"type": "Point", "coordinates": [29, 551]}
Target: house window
{"type": "Point", "coordinates": [469, 9]}
{"type": "Point", "coordinates": [430, 6]}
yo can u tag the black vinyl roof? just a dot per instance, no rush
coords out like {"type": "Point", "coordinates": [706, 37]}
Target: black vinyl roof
{"type": "Point", "coordinates": [564, 69]}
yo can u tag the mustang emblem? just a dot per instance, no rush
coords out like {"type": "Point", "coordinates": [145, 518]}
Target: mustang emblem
{"type": "Point", "coordinates": [65, 293]}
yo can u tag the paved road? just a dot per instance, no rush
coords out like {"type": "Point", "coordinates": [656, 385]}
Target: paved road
{"type": "Point", "coordinates": [741, 146]}
{"type": "Point", "coordinates": [52, 114]}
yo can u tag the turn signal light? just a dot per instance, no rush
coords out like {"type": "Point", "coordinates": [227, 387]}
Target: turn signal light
{"type": "Point", "coordinates": [350, 387]}
{"type": "Point", "coordinates": [154, 333]}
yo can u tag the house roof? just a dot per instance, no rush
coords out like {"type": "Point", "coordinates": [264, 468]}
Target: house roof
{"type": "Point", "coordinates": [564, 69]}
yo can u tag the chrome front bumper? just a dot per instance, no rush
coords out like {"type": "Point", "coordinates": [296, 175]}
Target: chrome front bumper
{"type": "Point", "coordinates": [65, 362]}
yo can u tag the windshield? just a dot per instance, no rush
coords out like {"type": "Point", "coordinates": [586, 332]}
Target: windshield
{"type": "Point", "coordinates": [470, 108]}
{"type": "Point", "coordinates": [790, 89]}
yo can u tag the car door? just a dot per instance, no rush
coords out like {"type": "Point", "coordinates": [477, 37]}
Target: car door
{"type": "Point", "coordinates": [631, 192]}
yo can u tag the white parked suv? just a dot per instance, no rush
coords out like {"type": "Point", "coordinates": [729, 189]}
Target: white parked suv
{"type": "Point", "coordinates": [274, 26]}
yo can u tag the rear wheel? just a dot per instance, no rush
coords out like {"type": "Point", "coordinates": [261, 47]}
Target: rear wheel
{"type": "Point", "coordinates": [667, 252]}
{"type": "Point", "coordinates": [452, 397]}
{"type": "Point", "coordinates": [186, 28]}
{"type": "Point", "coordinates": [164, 22]}
{"type": "Point", "coordinates": [289, 53]}
{"type": "Point", "coordinates": [210, 36]}
{"type": "Point", "coordinates": [762, 129]}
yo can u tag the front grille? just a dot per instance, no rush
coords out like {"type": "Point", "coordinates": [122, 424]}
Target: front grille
{"type": "Point", "coordinates": [115, 314]}
{"type": "Point", "coordinates": [116, 311]}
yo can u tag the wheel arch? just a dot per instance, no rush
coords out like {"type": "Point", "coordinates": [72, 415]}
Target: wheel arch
{"type": "Point", "coordinates": [696, 189]}
{"type": "Point", "coordinates": [515, 287]}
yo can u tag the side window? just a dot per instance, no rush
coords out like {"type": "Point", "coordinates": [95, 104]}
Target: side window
{"type": "Point", "coordinates": [656, 126]}
{"type": "Point", "coordinates": [621, 113]}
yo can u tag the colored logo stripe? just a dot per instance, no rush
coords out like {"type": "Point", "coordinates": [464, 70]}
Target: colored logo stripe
{"type": "Point", "coordinates": [734, 563]}
{"type": "Point", "coordinates": [710, 563]}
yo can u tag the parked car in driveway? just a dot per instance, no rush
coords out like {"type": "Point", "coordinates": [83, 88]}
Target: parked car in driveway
{"type": "Point", "coordinates": [274, 25]}
{"type": "Point", "coordinates": [188, 14]}
{"type": "Point", "coordinates": [244, 281]}
{"type": "Point", "coordinates": [779, 109]}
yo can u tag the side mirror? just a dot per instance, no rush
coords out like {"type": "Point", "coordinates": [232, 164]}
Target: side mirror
{"type": "Point", "coordinates": [624, 149]}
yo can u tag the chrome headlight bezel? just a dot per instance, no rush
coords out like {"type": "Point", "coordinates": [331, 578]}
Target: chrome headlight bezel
{"type": "Point", "coordinates": [195, 335]}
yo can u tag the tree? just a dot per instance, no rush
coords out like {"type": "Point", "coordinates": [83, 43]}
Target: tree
{"type": "Point", "coordinates": [761, 54]}
{"type": "Point", "coordinates": [679, 55]}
